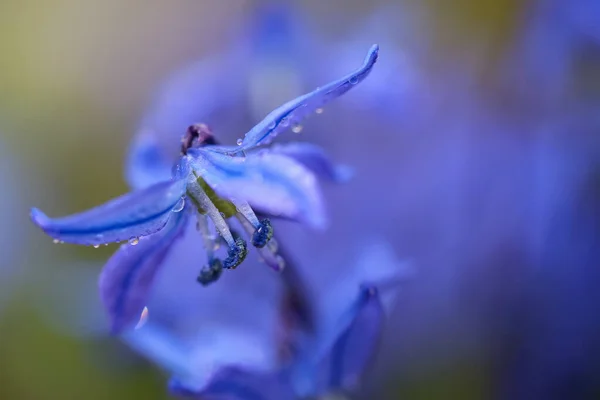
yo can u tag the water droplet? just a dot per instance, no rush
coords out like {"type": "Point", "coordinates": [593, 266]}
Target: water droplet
{"type": "Point", "coordinates": [56, 241]}
{"type": "Point", "coordinates": [297, 128]}
{"type": "Point", "coordinates": [134, 240]}
{"type": "Point", "coordinates": [285, 122]}
{"type": "Point", "coordinates": [143, 318]}
{"type": "Point", "coordinates": [319, 111]}
{"type": "Point", "coordinates": [239, 142]}
{"type": "Point", "coordinates": [96, 246]}
{"type": "Point", "coordinates": [180, 205]}
{"type": "Point", "coordinates": [353, 80]}
{"type": "Point", "coordinates": [272, 125]}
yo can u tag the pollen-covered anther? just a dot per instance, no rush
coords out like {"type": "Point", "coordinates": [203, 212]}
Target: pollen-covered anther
{"type": "Point", "coordinates": [236, 254]}
{"type": "Point", "coordinates": [196, 135]}
{"type": "Point", "coordinates": [210, 273]}
{"type": "Point", "coordinates": [263, 234]}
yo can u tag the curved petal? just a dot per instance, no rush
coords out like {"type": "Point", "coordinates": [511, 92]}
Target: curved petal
{"type": "Point", "coordinates": [133, 215]}
{"type": "Point", "coordinates": [127, 278]}
{"type": "Point", "coordinates": [274, 183]}
{"type": "Point", "coordinates": [314, 158]}
{"type": "Point", "coordinates": [233, 383]}
{"type": "Point", "coordinates": [295, 110]}
{"type": "Point", "coordinates": [146, 163]}
{"type": "Point", "coordinates": [355, 345]}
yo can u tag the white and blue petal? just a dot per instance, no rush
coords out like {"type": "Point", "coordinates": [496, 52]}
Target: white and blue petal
{"type": "Point", "coordinates": [133, 215]}
{"type": "Point", "coordinates": [315, 159]}
{"type": "Point", "coordinates": [294, 111]}
{"type": "Point", "coordinates": [127, 278]}
{"type": "Point", "coordinates": [273, 183]}
{"type": "Point", "coordinates": [147, 164]}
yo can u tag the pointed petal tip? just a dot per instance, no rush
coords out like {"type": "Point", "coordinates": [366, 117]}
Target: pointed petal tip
{"type": "Point", "coordinates": [372, 55]}
{"type": "Point", "coordinates": [38, 217]}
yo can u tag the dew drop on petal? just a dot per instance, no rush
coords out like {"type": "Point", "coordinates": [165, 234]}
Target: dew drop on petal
{"type": "Point", "coordinates": [180, 205]}
{"type": "Point", "coordinates": [297, 128]}
{"type": "Point", "coordinates": [353, 80]}
{"type": "Point", "coordinates": [239, 142]}
{"type": "Point", "coordinates": [143, 318]}
{"type": "Point", "coordinates": [319, 111]}
{"type": "Point", "coordinates": [96, 246]}
{"type": "Point", "coordinates": [272, 125]}
{"type": "Point", "coordinates": [134, 240]}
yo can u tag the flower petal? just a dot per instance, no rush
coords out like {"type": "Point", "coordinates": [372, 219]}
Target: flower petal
{"type": "Point", "coordinates": [273, 183]}
{"type": "Point", "coordinates": [133, 215]}
{"type": "Point", "coordinates": [146, 163]}
{"type": "Point", "coordinates": [161, 347]}
{"type": "Point", "coordinates": [295, 110]}
{"type": "Point", "coordinates": [127, 278]}
{"type": "Point", "coordinates": [314, 158]}
{"type": "Point", "coordinates": [355, 346]}
{"type": "Point", "coordinates": [237, 384]}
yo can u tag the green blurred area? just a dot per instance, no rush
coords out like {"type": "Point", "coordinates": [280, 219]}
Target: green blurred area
{"type": "Point", "coordinates": [75, 79]}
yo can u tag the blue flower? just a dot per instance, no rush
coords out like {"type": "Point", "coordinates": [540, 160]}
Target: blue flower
{"type": "Point", "coordinates": [318, 343]}
{"type": "Point", "coordinates": [215, 183]}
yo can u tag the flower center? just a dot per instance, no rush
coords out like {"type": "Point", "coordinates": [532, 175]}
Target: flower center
{"type": "Point", "coordinates": [216, 212]}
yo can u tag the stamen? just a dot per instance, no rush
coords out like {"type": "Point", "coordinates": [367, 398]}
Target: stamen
{"type": "Point", "coordinates": [263, 230]}
{"type": "Point", "coordinates": [263, 234]}
{"type": "Point", "coordinates": [210, 273]}
{"type": "Point", "coordinates": [268, 253]}
{"type": "Point", "coordinates": [207, 237]}
{"type": "Point", "coordinates": [236, 254]}
{"type": "Point", "coordinates": [203, 201]}
{"type": "Point", "coordinates": [244, 208]}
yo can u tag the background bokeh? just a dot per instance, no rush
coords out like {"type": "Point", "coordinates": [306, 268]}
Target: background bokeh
{"type": "Point", "coordinates": [477, 150]}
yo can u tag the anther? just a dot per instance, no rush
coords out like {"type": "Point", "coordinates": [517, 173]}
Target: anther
{"type": "Point", "coordinates": [263, 230]}
{"type": "Point", "coordinates": [263, 234]}
{"type": "Point", "coordinates": [268, 253]}
{"type": "Point", "coordinates": [210, 273]}
{"type": "Point", "coordinates": [197, 135]}
{"type": "Point", "coordinates": [236, 254]}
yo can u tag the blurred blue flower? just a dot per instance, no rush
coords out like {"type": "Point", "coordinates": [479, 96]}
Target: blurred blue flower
{"type": "Point", "coordinates": [312, 343]}
{"type": "Point", "coordinates": [216, 182]}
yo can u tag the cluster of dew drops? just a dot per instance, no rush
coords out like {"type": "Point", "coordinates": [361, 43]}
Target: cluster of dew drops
{"type": "Point", "coordinates": [296, 128]}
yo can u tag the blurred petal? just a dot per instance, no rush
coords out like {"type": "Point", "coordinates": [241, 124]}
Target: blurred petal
{"type": "Point", "coordinates": [133, 215]}
{"type": "Point", "coordinates": [375, 265]}
{"type": "Point", "coordinates": [160, 347]}
{"type": "Point", "coordinates": [295, 110]}
{"type": "Point", "coordinates": [127, 278]}
{"type": "Point", "coordinates": [314, 158]}
{"type": "Point", "coordinates": [355, 345]}
{"type": "Point", "coordinates": [238, 384]}
{"type": "Point", "coordinates": [273, 183]}
{"type": "Point", "coordinates": [146, 164]}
